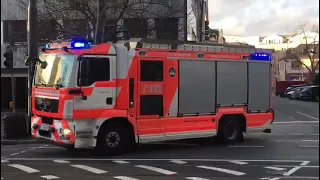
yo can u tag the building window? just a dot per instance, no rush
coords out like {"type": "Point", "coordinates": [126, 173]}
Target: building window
{"type": "Point", "coordinates": [14, 31]}
{"type": "Point", "coordinates": [295, 65]}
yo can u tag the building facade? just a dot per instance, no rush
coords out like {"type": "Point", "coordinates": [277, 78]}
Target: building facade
{"type": "Point", "coordinates": [165, 19]}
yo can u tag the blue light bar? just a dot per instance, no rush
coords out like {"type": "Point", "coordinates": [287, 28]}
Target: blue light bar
{"type": "Point", "coordinates": [81, 44]}
{"type": "Point", "coordinates": [260, 57]}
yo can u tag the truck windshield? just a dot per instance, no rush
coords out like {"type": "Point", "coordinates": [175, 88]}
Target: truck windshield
{"type": "Point", "coordinates": [58, 71]}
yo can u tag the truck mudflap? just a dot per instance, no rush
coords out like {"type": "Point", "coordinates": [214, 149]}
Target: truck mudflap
{"type": "Point", "coordinates": [59, 131]}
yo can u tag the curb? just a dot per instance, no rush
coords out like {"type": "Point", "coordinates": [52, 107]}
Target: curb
{"type": "Point", "coordinates": [23, 141]}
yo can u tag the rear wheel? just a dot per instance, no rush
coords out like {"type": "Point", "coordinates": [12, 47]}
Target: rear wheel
{"type": "Point", "coordinates": [317, 98]}
{"type": "Point", "coordinates": [230, 130]}
{"type": "Point", "coordinates": [114, 138]}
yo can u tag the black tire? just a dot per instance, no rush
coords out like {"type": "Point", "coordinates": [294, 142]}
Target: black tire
{"type": "Point", "coordinates": [316, 98]}
{"type": "Point", "coordinates": [115, 138]}
{"type": "Point", "coordinates": [230, 131]}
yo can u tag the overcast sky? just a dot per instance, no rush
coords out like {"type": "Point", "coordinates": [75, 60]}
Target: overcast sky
{"type": "Point", "coordinates": [261, 17]}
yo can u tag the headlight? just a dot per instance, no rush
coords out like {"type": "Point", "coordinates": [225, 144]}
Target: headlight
{"type": "Point", "coordinates": [66, 132]}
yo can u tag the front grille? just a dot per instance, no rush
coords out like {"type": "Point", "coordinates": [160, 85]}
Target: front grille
{"type": "Point", "coordinates": [45, 133]}
{"type": "Point", "coordinates": [47, 105]}
{"type": "Point", "coordinates": [46, 120]}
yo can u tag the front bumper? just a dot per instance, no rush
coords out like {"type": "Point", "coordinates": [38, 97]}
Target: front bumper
{"type": "Point", "coordinates": [58, 131]}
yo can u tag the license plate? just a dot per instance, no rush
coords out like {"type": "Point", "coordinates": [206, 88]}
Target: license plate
{"type": "Point", "coordinates": [45, 127]}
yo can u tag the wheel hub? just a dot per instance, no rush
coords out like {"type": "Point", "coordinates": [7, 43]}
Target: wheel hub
{"type": "Point", "coordinates": [231, 131]}
{"type": "Point", "coordinates": [112, 139]}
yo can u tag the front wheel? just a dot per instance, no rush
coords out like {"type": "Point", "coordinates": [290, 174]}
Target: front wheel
{"type": "Point", "coordinates": [114, 138]}
{"type": "Point", "coordinates": [230, 131]}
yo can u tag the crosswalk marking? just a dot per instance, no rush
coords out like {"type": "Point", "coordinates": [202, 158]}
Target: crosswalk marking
{"type": "Point", "coordinates": [238, 162]}
{"type": "Point", "coordinates": [125, 178]}
{"type": "Point", "coordinates": [196, 178]}
{"type": "Point", "coordinates": [159, 170]}
{"type": "Point", "coordinates": [275, 168]}
{"type": "Point", "coordinates": [121, 162]}
{"type": "Point", "coordinates": [49, 177]}
{"type": "Point", "coordinates": [228, 171]}
{"type": "Point", "coordinates": [61, 161]}
{"type": "Point", "coordinates": [24, 168]}
{"type": "Point", "coordinates": [90, 169]}
{"type": "Point", "coordinates": [178, 162]}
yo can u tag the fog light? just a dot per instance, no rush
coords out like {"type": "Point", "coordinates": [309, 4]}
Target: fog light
{"type": "Point", "coordinates": [66, 132]}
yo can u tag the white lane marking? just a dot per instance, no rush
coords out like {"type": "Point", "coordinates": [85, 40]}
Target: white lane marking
{"type": "Point", "coordinates": [4, 161]}
{"type": "Point", "coordinates": [178, 162]}
{"type": "Point", "coordinates": [60, 161]}
{"type": "Point", "coordinates": [49, 177]}
{"type": "Point", "coordinates": [291, 171]}
{"type": "Point", "coordinates": [24, 168]}
{"type": "Point", "coordinates": [310, 140]}
{"type": "Point", "coordinates": [294, 122]}
{"type": "Point", "coordinates": [228, 171]}
{"type": "Point", "coordinates": [238, 162]}
{"type": "Point", "coordinates": [159, 170]}
{"type": "Point", "coordinates": [13, 154]}
{"type": "Point", "coordinates": [236, 146]}
{"type": "Point", "coordinates": [266, 178]}
{"type": "Point", "coordinates": [275, 168]}
{"type": "Point", "coordinates": [196, 178]}
{"type": "Point", "coordinates": [304, 163]}
{"type": "Point", "coordinates": [308, 146]}
{"type": "Point", "coordinates": [90, 169]}
{"type": "Point", "coordinates": [203, 160]}
{"type": "Point", "coordinates": [121, 162]}
{"type": "Point", "coordinates": [295, 134]}
{"type": "Point", "coordinates": [307, 115]}
{"type": "Point", "coordinates": [124, 178]}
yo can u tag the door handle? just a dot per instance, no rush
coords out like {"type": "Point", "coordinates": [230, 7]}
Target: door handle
{"type": "Point", "coordinates": [109, 100]}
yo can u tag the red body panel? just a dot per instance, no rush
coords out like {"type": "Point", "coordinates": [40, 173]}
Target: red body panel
{"type": "Point", "coordinates": [149, 125]}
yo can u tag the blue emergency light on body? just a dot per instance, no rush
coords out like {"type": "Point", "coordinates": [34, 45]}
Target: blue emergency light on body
{"type": "Point", "coordinates": [75, 44]}
{"type": "Point", "coordinates": [260, 57]}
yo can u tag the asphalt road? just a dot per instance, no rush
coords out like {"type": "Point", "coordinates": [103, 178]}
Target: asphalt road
{"type": "Point", "coordinates": [290, 152]}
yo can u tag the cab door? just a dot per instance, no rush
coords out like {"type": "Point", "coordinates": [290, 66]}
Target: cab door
{"type": "Point", "coordinates": [150, 99]}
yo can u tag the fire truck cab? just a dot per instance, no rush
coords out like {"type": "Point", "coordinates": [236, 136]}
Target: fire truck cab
{"type": "Point", "coordinates": [112, 96]}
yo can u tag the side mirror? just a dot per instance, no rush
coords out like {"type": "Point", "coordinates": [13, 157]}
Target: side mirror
{"type": "Point", "coordinates": [30, 60]}
{"type": "Point", "coordinates": [43, 65]}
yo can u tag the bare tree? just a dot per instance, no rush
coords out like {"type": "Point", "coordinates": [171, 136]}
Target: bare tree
{"type": "Point", "coordinates": [70, 18]}
{"type": "Point", "coordinates": [307, 53]}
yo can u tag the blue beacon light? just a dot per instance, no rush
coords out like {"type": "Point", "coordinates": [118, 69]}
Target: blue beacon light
{"type": "Point", "coordinates": [80, 44]}
{"type": "Point", "coordinates": [260, 57]}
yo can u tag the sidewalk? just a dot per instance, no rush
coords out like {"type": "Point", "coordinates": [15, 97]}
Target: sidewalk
{"type": "Point", "coordinates": [28, 140]}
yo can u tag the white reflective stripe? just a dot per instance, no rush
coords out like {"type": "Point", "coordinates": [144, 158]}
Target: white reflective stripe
{"type": "Point", "coordinates": [178, 162]}
{"type": "Point", "coordinates": [196, 178]}
{"type": "Point", "coordinates": [24, 168]}
{"type": "Point", "coordinates": [125, 178]}
{"type": "Point", "coordinates": [159, 170]}
{"type": "Point", "coordinates": [90, 169]}
{"type": "Point", "coordinates": [49, 177]}
{"type": "Point", "coordinates": [60, 161]}
{"type": "Point", "coordinates": [121, 162]}
{"type": "Point", "coordinates": [275, 168]}
{"type": "Point", "coordinates": [228, 171]}
{"type": "Point", "coordinates": [238, 162]}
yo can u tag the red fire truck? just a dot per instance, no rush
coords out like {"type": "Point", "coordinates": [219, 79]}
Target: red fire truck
{"type": "Point", "coordinates": [112, 96]}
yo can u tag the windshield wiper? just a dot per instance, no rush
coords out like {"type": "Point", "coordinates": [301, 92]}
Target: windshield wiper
{"type": "Point", "coordinates": [41, 84]}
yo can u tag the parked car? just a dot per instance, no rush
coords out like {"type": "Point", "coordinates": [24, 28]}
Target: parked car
{"type": "Point", "coordinates": [295, 92]}
{"type": "Point", "coordinates": [292, 87]}
{"type": "Point", "coordinates": [282, 85]}
{"type": "Point", "coordinates": [309, 93]}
